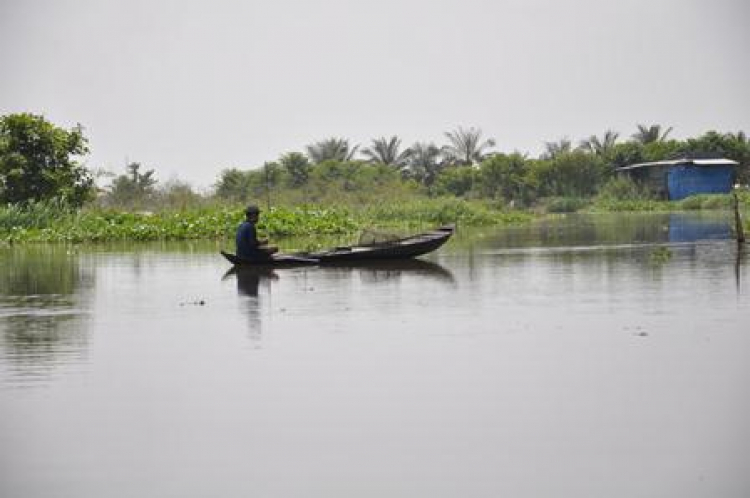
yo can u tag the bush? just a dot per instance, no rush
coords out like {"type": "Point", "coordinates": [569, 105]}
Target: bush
{"type": "Point", "coordinates": [705, 201]}
{"type": "Point", "coordinates": [565, 204]}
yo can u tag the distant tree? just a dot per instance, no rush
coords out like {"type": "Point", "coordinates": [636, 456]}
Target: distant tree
{"type": "Point", "coordinates": [507, 177]}
{"type": "Point", "coordinates": [297, 167]}
{"type": "Point", "coordinates": [554, 149]}
{"type": "Point", "coordinates": [456, 181]}
{"type": "Point", "coordinates": [331, 149]}
{"type": "Point", "coordinates": [600, 147]}
{"type": "Point", "coordinates": [648, 134]}
{"type": "Point", "coordinates": [234, 185]}
{"type": "Point", "coordinates": [37, 161]}
{"type": "Point", "coordinates": [712, 144]}
{"type": "Point", "coordinates": [133, 188]}
{"type": "Point", "coordinates": [425, 162]}
{"type": "Point", "coordinates": [570, 174]}
{"type": "Point", "coordinates": [625, 154]}
{"type": "Point", "coordinates": [178, 194]}
{"type": "Point", "coordinates": [466, 147]}
{"type": "Point", "coordinates": [388, 152]}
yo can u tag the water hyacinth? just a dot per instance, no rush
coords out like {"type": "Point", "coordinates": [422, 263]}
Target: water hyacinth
{"type": "Point", "coordinates": [26, 225]}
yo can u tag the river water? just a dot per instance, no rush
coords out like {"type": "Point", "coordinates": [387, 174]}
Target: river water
{"type": "Point", "coordinates": [581, 356]}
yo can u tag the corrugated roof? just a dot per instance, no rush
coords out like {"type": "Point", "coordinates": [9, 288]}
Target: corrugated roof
{"type": "Point", "coordinates": [675, 162]}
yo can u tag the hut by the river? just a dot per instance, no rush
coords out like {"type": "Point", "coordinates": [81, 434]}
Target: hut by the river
{"type": "Point", "coordinates": [680, 178]}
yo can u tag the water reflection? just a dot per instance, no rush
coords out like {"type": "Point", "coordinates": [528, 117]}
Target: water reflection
{"type": "Point", "coordinates": [44, 298]}
{"type": "Point", "coordinates": [684, 227]}
{"type": "Point", "coordinates": [381, 271]}
{"type": "Point", "coordinates": [249, 281]}
{"type": "Point", "coordinates": [321, 291]}
{"type": "Point", "coordinates": [605, 230]}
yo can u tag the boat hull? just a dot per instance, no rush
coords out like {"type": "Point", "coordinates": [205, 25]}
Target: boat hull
{"type": "Point", "coordinates": [406, 248]}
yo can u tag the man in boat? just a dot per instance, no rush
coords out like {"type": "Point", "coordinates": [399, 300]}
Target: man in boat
{"type": "Point", "coordinates": [248, 245]}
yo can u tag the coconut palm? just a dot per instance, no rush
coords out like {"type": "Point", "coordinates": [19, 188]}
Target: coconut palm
{"type": "Point", "coordinates": [601, 146]}
{"type": "Point", "coordinates": [331, 149]}
{"type": "Point", "coordinates": [425, 162]}
{"type": "Point", "coordinates": [387, 151]}
{"type": "Point", "coordinates": [466, 146]}
{"type": "Point", "coordinates": [554, 149]}
{"type": "Point", "coordinates": [297, 167]}
{"type": "Point", "coordinates": [649, 134]}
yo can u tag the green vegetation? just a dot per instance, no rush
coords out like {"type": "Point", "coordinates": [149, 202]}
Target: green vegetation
{"type": "Point", "coordinates": [334, 186]}
{"type": "Point", "coordinates": [36, 161]}
{"type": "Point", "coordinates": [43, 223]}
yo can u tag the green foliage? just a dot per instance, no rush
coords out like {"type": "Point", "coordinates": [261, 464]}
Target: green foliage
{"type": "Point", "coordinates": [297, 168]}
{"type": "Point", "coordinates": [622, 188]}
{"type": "Point", "coordinates": [203, 223]}
{"type": "Point", "coordinates": [36, 161]}
{"type": "Point", "coordinates": [625, 154]}
{"type": "Point", "coordinates": [440, 211]}
{"type": "Point", "coordinates": [239, 186]}
{"type": "Point", "coordinates": [650, 134]}
{"type": "Point", "coordinates": [600, 147]}
{"type": "Point", "coordinates": [331, 149]}
{"type": "Point", "coordinates": [425, 163]}
{"type": "Point", "coordinates": [570, 174]}
{"type": "Point", "coordinates": [456, 181]}
{"type": "Point", "coordinates": [133, 189]}
{"type": "Point", "coordinates": [555, 149]}
{"type": "Point", "coordinates": [507, 177]}
{"type": "Point", "coordinates": [705, 201]}
{"type": "Point", "coordinates": [388, 152]}
{"type": "Point", "coordinates": [40, 214]}
{"type": "Point", "coordinates": [466, 147]}
{"type": "Point", "coordinates": [565, 204]}
{"type": "Point", "coordinates": [621, 193]}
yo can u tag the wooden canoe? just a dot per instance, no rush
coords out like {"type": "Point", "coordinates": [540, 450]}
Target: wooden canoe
{"type": "Point", "coordinates": [405, 248]}
{"type": "Point", "coordinates": [408, 247]}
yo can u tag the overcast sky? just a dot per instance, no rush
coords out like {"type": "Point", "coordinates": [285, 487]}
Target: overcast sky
{"type": "Point", "coordinates": [191, 88]}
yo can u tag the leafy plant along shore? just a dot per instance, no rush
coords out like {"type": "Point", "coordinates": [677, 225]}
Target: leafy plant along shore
{"type": "Point", "coordinates": [46, 194]}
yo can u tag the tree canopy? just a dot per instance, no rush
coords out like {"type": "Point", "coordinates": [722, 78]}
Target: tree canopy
{"type": "Point", "coordinates": [37, 161]}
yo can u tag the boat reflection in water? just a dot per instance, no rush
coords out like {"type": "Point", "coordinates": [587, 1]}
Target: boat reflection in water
{"type": "Point", "coordinates": [297, 284]}
{"type": "Point", "coordinates": [385, 270]}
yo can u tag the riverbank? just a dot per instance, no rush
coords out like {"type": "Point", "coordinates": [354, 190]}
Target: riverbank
{"type": "Point", "coordinates": [45, 223]}
{"type": "Point", "coordinates": [50, 222]}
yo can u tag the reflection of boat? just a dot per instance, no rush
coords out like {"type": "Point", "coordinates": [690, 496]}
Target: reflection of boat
{"type": "Point", "coordinates": [395, 267]}
{"type": "Point", "coordinates": [399, 249]}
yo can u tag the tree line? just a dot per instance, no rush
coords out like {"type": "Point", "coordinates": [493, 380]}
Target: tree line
{"type": "Point", "coordinates": [40, 161]}
{"type": "Point", "coordinates": [467, 166]}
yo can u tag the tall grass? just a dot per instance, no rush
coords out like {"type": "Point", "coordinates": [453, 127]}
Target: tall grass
{"type": "Point", "coordinates": [33, 214]}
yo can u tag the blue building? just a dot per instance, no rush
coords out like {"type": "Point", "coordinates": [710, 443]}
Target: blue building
{"type": "Point", "coordinates": [680, 178]}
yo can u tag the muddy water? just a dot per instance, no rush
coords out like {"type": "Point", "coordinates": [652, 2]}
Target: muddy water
{"type": "Point", "coordinates": [580, 356]}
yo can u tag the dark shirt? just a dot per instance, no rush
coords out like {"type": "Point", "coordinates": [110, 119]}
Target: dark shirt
{"type": "Point", "coordinates": [247, 242]}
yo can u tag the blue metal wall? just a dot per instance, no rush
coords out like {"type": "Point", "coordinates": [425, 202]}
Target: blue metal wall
{"type": "Point", "coordinates": [684, 181]}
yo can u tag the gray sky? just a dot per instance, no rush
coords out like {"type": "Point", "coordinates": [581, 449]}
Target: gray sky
{"type": "Point", "coordinates": [191, 88]}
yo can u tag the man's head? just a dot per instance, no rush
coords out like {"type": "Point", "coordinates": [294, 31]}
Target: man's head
{"type": "Point", "coordinates": [252, 212]}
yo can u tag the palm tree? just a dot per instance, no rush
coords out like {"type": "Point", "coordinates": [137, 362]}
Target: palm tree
{"type": "Point", "coordinates": [387, 151]}
{"type": "Point", "coordinates": [335, 149]}
{"type": "Point", "coordinates": [466, 146]}
{"type": "Point", "coordinates": [425, 162]}
{"type": "Point", "coordinates": [297, 166]}
{"type": "Point", "coordinates": [600, 147]}
{"type": "Point", "coordinates": [650, 134]}
{"type": "Point", "coordinates": [554, 149]}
